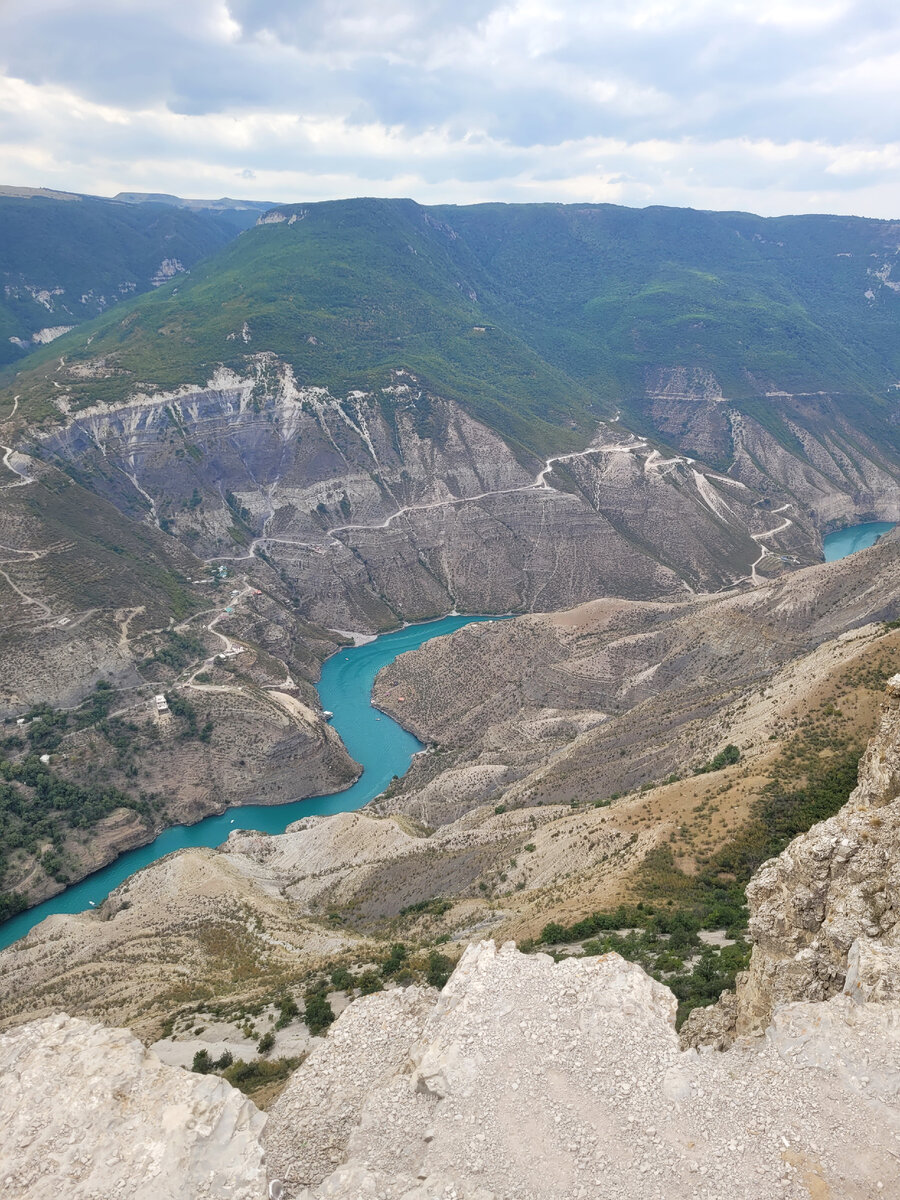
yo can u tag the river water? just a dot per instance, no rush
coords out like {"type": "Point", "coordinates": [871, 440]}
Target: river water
{"type": "Point", "coordinates": [381, 747]}
{"type": "Point", "coordinates": [856, 537]}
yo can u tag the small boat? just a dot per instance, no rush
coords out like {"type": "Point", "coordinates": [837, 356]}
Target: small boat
{"type": "Point", "coordinates": [92, 904]}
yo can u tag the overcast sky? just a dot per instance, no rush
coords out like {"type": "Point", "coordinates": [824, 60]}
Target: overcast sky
{"type": "Point", "coordinates": [767, 105]}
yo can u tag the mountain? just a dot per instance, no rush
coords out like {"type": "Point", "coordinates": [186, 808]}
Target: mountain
{"type": "Point", "coordinates": [66, 258]}
{"type": "Point", "coordinates": [240, 214]}
{"type": "Point", "coordinates": [370, 412]}
{"type": "Point", "coordinates": [539, 317]}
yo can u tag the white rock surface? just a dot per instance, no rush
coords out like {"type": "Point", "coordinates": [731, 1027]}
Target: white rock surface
{"type": "Point", "coordinates": [86, 1113]}
{"type": "Point", "coordinates": [536, 1081]}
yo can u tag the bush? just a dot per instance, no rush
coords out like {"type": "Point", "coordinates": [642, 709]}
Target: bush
{"type": "Point", "coordinates": [396, 960]}
{"type": "Point", "coordinates": [248, 1077]}
{"type": "Point", "coordinates": [439, 970]}
{"type": "Point", "coordinates": [368, 982]}
{"type": "Point", "coordinates": [202, 1063]}
{"type": "Point", "coordinates": [266, 1043]}
{"type": "Point", "coordinates": [287, 1011]}
{"type": "Point", "coordinates": [341, 979]}
{"type": "Point", "coordinates": [318, 1014]}
{"type": "Point", "coordinates": [725, 758]}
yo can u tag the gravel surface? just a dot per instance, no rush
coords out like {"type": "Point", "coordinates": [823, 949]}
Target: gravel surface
{"type": "Point", "coordinates": [531, 1080]}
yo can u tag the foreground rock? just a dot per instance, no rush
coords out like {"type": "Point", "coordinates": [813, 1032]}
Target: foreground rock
{"type": "Point", "coordinates": [825, 914]}
{"type": "Point", "coordinates": [87, 1113]}
{"type": "Point", "coordinates": [530, 1079]}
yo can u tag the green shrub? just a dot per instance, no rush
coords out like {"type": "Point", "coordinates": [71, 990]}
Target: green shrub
{"type": "Point", "coordinates": [725, 758]}
{"type": "Point", "coordinates": [396, 960]}
{"type": "Point", "coordinates": [318, 1014]}
{"type": "Point", "coordinates": [370, 981]}
{"type": "Point", "coordinates": [341, 979]}
{"type": "Point", "coordinates": [439, 969]}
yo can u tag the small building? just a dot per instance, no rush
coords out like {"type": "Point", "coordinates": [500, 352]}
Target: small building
{"type": "Point", "coordinates": [161, 705]}
{"type": "Point", "coordinates": [45, 758]}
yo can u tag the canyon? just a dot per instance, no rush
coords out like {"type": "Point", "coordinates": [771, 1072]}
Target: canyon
{"type": "Point", "coordinates": [360, 414]}
{"type": "Point", "coordinates": [417, 1094]}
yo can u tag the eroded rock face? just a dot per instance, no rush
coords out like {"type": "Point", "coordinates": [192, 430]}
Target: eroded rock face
{"type": "Point", "coordinates": [318, 1113]}
{"type": "Point", "coordinates": [398, 503]}
{"type": "Point", "coordinates": [825, 914]}
{"type": "Point", "coordinates": [87, 1113]}
{"type": "Point", "coordinates": [532, 1080]}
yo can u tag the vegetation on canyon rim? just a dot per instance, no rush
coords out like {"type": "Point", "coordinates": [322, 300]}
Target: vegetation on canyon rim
{"type": "Point", "coordinates": [530, 315]}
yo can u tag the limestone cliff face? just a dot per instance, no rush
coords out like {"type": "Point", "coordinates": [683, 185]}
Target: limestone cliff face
{"type": "Point", "coordinates": [825, 914]}
{"type": "Point", "coordinates": [87, 1113]}
{"type": "Point", "coordinates": [397, 503]}
{"type": "Point", "coordinates": [524, 1078]}
{"type": "Point", "coordinates": [806, 445]}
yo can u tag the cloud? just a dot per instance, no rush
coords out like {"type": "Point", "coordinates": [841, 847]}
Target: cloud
{"type": "Point", "coordinates": [770, 105]}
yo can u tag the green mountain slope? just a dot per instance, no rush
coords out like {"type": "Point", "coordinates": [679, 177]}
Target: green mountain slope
{"type": "Point", "coordinates": [538, 317]}
{"type": "Point", "coordinates": [64, 261]}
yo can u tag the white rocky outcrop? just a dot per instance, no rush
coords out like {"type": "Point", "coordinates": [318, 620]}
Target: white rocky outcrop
{"type": "Point", "coordinates": [825, 914]}
{"type": "Point", "coordinates": [86, 1113]}
{"type": "Point", "coordinates": [530, 1080]}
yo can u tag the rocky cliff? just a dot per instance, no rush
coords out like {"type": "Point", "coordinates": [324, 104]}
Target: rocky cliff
{"type": "Point", "coordinates": [523, 1079]}
{"type": "Point", "coordinates": [824, 914]}
{"type": "Point", "coordinates": [88, 1113]}
{"type": "Point", "coordinates": [398, 504]}
{"type": "Point", "coordinates": [532, 1080]}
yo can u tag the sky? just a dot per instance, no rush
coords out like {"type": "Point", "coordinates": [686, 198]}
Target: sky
{"type": "Point", "coordinates": [771, 106]}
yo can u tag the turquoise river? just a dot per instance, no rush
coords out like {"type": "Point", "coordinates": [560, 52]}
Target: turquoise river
{"type": "Point", "coordinates": [381, 746]}
{"type": "Point", "coordinates": [856, 537]}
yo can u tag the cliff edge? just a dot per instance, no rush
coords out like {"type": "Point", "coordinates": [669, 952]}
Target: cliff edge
{"type": "Point", "coordinates": [825, 914]}
{"type": "Point", "coordinates": [87, 1113]}
{"type": "Point", "coordinates": [533, 1080]}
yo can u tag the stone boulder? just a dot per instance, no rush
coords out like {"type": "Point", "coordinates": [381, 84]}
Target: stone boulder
{"type": "Point", "coordinates": [87, 1113]}
{"type": "Point", "coordinates": [533, 1080]}
{"type": "Point", "coordinates": [825, 914]}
